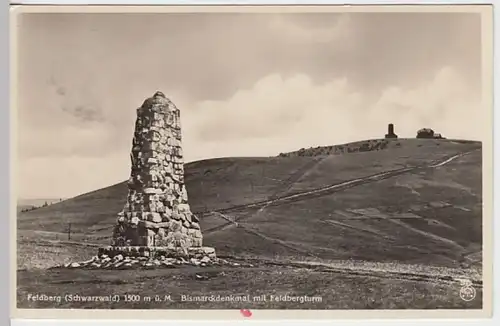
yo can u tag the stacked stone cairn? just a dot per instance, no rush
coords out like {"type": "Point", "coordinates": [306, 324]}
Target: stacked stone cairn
{"type": "Point", "coordinates": [156, 223]}
{"type": "Point", "coordinates": [157, 213]}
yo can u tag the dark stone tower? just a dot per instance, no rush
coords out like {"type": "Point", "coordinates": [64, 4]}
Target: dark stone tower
{"type": "Point", "coordinates": [390, 132]}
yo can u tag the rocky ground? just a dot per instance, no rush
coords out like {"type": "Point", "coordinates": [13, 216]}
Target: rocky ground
{"type": "Point", "coordinates": [129, 262]}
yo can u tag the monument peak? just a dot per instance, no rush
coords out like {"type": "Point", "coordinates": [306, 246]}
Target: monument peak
{"type": "Point", "coordinates": [159, 94]}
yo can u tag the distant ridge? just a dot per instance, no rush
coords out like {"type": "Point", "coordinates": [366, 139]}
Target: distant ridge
{"type": "Point", "coordinates": [366, 146]}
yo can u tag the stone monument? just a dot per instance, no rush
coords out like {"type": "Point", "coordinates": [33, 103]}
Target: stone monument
{"type": "Point", "coordinates": [156, 215]}
{"type": "Point", "coordinates": [390, 131]}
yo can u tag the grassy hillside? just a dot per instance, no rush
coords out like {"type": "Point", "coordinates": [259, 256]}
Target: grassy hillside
{"type": "Point", "coordinates": [415, 205]}
{"type": "Point", "coordinates": [31, 204]}
{"type": "Point", "coordinates": [211, 184]}
{"type": "Point", "coordinates": [313, 227]}
{"type": "Point", "coordinates": [432, 217]}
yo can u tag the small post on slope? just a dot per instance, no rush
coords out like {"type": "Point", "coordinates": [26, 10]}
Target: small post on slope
{"type": "Point", "coordinates": [69, 231]}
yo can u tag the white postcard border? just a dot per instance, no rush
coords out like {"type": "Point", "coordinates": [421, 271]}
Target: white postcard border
{"type": "Point", "coordinates": [261, 314]}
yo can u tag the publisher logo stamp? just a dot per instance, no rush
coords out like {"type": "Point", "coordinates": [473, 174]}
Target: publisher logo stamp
{"type": "Point", "coordinates": [467, 291]}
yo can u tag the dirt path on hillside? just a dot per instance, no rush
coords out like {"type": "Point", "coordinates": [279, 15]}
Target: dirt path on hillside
{"type": "Point", "coordinates": [391, 271]}
{"type": "Point", "coordinates": [327, 190]}
{"type": "Point", "coordinates": [290, 182]}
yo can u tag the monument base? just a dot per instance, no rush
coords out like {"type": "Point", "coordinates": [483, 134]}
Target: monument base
{"type": "Point", "coordinates": [389, 136]}
{"type": "Point", "coordinates": [156, 252]}
{"type": "Point", "coordinates": [132, 257]}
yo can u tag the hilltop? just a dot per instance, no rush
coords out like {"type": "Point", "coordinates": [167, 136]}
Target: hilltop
{"type": "Point", "coordinates": [368, 146]}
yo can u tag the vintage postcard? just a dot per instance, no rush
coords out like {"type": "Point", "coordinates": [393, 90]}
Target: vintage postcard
{"type": "Point", "coordinates": [252, 161]}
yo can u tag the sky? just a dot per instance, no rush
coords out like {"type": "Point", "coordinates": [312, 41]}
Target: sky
{"type": "Point", "coordinates": [247, 84]}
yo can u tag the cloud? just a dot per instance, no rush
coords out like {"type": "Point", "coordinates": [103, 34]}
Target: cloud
{"type": "Point", "coordinates": [66, 140]}
{"type": "Point", "coordinates": [275, 115]}
{"type": "Point", "coordinates": [84, 114]}
{"type": "Point", "coordinates": [267, 84]}
{"type": "Point", "coordinates": [279, 114]}
{"type": "Point", "coordinates": [444, 103]}
{"type": "Point", "coordinates": [339, 28]}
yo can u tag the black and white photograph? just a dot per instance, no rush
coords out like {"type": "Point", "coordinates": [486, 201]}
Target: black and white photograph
{"type": "Point", "coordinates": [251, 159]}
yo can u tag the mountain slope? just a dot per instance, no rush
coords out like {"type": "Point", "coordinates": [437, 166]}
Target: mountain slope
{"type": "Point", "coordinates": [326, 207]}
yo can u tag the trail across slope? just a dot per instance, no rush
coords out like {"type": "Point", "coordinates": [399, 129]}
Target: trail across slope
{"type": "Point", "coordinates": [332, 188]}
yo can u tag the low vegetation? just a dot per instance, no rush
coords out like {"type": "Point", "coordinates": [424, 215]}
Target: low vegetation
{"type": "Point", "coordinates": [427, 216]}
